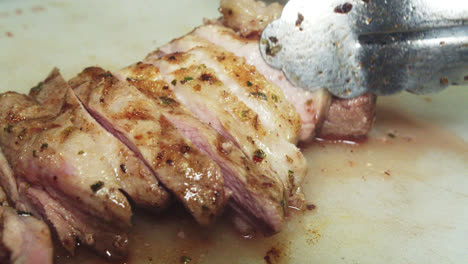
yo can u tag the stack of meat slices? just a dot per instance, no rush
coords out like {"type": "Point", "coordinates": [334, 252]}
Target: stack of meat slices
{"type": "Point", "coordinates": [202, 121]}
{"type": "Point", "coordinates": [23, 238]}
{"type": "Point", "coordinates": [322, 114]}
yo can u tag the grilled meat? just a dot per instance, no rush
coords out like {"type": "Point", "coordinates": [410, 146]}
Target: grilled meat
{"type": "Point", "coordinates": [24, 239]}
{"type": "Point", "coordinates": [131, 172]}
{"type": "Point", "coordinates": [341, 118]}
{"type": "Point", "coordinates": [312, 106]}
{"type": "Point", "coordinates": [349, 118]}
{"type": "Point", "coordinates": [190, 175]}
{"type": "Point", "coordinates": [203, 118]}
{"type": "Point", "coordinates": [256, 195]}
{"type": "Point", "coordinates": [224, 91]}
{"type": "Point", "coordinates": [193, 141]}
{"type": "Point", "coordinates": [69, 170]}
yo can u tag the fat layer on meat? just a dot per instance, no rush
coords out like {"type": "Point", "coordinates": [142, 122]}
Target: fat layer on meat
{"type": "Point", "coordinates": [256, 195]}
{"type": "Point", "coordinates": [223, 90]}
{"type": "Point", "coordinates": [190, 175]}
{"type": "Point", "coordinates": [68, 169]}
{"type": "Point", "coordinates": [135, 178]}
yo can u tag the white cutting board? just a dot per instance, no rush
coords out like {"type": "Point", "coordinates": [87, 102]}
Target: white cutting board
{"type": "Point", "coordinates": [390, 200]}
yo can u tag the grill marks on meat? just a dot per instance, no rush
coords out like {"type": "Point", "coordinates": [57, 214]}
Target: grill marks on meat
{"type": "Point", "coordinates": [204, 115]}
{"type": "Point", "coordinates": [23, 238]}
{"type": "Point", "coordinates": [313, 107]}
{"type": "Point", "coordinates": [222, 90]}
{"type": "Point", "coordinates": [69, 169]}
{"type": "Point", "coordinates": [140, 122]}
{"type": "Point", "coordinates": [240, 79]}
{"type": "Point", "coordinates": [134, 177]}
{"type": "Point", "coordinates": [258, 196]}
{"type": "Point", "coordinates": [321, 114]}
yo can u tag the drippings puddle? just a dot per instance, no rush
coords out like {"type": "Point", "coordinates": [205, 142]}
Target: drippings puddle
{"type": "Point", "coordinates": [366, 201]}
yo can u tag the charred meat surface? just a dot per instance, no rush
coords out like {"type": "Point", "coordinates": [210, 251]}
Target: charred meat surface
{"type": "Point", "coordinates": [190, 175]}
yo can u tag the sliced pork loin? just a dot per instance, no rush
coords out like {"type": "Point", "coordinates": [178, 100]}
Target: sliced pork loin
{"type": "Point", "coordinates": [223, 68]}
{"type": "Point", "coordinates": [241, 16]}
{"type": "Point", "coordinates": [189, 174]}
{"type": "Point", "coordinates": [24, 239]}
{"type": "Point", "coordinates": [183, 139]}
{"type": "Point", "coordinates": [312, 106]}
{"type": "Point", "coordinates": [136, 179]}
{"type": "Point", "coordinates": [62, 165]}
{"type": "Point", "coordinates": [257, 195]}
{"type": "Point", "coordinates": [226, 92]}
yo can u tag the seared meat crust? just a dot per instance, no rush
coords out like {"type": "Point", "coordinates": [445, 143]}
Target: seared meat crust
{"type": "Point", "coordinates": [62, 165]}
{"type": "Point", "coordinates": [224, 91]}
{"type": "Point", "coordinates": [256, 194]}
{"type": "Point", "coordinates": [190, 175]}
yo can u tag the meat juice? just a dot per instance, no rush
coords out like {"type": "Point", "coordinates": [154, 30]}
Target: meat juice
{"type": "Point", "coordinates": [361, 200]}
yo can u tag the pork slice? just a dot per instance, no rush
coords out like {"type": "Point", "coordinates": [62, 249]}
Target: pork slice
{"type": "Point", "coordinates": [244, 81]}
{"type": "Point", "coordinates": [190, 175]}
{"type": "Point", "coordinates": [7, 180]}
{"type": "Point", "coordinates": [241, 17]}
{"type": "Point", "coordinates": [311, 106]}
{"type": "Point", "coordinates": [246, 111]}
{"type": "Point", "coordinates": [257, 195]}
{"type": "Point", "coordinates": [65, 154]}
{"type": "Point", "coordinates": [135, 178]}
{"type": "Point", "coordinates": [107, 239]}
{"type": "Point", "coordinates": [349, 118]}
{"type": "Point", "coordinates": [24, 239]}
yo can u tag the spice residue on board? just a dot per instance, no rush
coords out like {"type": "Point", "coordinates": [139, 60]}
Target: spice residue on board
{"type": "Point", "coordinates": [273, 256]}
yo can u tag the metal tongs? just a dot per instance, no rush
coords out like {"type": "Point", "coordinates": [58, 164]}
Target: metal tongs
{"type": "Point", "coordinates": [351, 47]}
